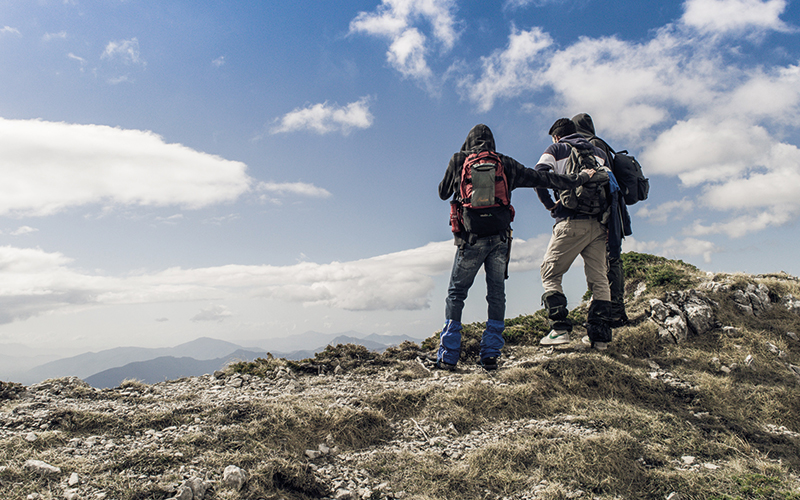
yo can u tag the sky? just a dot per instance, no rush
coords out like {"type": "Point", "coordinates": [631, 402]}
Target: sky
{"type": "Point", "coordinates": [254, 170]}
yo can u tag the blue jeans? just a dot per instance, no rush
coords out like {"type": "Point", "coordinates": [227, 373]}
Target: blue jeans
{"type": "Point", "coordinates": [490, 253]}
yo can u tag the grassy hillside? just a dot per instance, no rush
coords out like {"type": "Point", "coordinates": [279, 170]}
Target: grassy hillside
{"type": "Point", "coordinates": [713, 416]}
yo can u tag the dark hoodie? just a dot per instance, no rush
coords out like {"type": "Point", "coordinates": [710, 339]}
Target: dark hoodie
{"type": "Point", "coordinates": [480, 138]}
{"type": "Point", "coordinates": [619, 225]}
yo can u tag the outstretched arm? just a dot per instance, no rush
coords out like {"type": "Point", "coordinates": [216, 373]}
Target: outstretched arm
{"type": "Point", "coordinates": [546, 179]}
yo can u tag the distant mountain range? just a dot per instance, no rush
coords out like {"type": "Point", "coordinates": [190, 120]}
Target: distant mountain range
{"type": "Point", "coordinates": [111, 367]}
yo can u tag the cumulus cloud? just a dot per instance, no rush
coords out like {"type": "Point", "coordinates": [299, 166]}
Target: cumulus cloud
{"type": "Point", "coordinates": [688, 103]}
{"type": "Point", "coordinates": [508, 72]}
{"type": "Point", "coordinates": [670, 210]}
{"type": "Point", "coordinates": [49, 166]}
{"type": "Point", "coordinates": [324, 118]}
{"type": "Point", "coordinates": [745, 224]}
{"type": "Point", "coordinates": [126, 51]}
{"type": "Point", "coordinates": [395, 21]}
{"type": "Point", "coordinates": [734, 16]}
{"type": "Point", "coordinates": [218, 61]}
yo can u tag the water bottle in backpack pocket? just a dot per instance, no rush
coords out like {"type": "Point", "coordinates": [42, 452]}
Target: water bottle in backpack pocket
{"type": "Point", "coordinates": [484, 195]}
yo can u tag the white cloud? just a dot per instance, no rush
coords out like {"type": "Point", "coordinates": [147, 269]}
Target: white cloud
{"type": "Point", "coordinates": [745, 224]}
{"type": "Point", "coordinates": [119, 79]}
{"type": "Point", "coordinates": [77, 58]}
{"type": "Point", "coordinates": [23, 230]}
{"type": "Point", "coordinates": [218, 61]}
{"type": "Point", "coordinates": [213, 313]}
{"type": "Point", "coordinates": [734, 16]}
{"type": "Point", "coordinates": [394, 20]}
{"type": "Point", "coordinates": [509, 72]}
{"type": "Point", "coordinates": [37, 282]}
{"type": "Point", "coordinates": [48, 167]}
{"type": "Point", "coordinates": [9, 30]}
{"type": "Point", "coordinates": [670, 210]}
{"type": "Point", "coordinates": [708, 150]}
{"type": "Point", "coordinates": [673, 248]}
{"type": "Point", "coordinates": [272, 189]}
{"type": "Point", "coordinates": [324, 118]}
{"type": "Point", "coordinates": [61, 35]}
{"type": "Point", "coordinates": [126, 51]}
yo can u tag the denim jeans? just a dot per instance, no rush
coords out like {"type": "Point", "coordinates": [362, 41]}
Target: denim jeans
{"type": "Point", "coordinates": [490, 253]}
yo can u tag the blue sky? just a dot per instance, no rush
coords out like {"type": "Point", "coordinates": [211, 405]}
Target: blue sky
{"type": "Point", "coordinates": [248, 170]}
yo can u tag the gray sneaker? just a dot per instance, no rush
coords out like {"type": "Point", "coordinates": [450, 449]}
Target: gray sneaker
{"type": "Point", "coordinates": [556, 337]}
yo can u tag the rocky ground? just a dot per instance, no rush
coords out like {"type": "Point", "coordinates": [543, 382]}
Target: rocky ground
{"type": "Point", "coordinates": [45, 412]}
{"type": "Point", "coordinates": [32, 414]}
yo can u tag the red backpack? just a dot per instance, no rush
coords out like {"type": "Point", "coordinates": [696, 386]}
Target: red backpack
{"type": "Point", "coordinates": [483, 196]}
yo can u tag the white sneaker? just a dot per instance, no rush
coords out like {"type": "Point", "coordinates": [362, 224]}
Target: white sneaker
{"type": "Point", "coordinates": [556, 337]}
{"type": "Point", "coordinates": [598, 346]}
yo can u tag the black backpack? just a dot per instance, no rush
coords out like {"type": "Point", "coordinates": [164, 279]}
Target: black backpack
{"type": "Point", "coordinates": [590, 198]}
{"type": "Point", "coordinates": [634, 185]}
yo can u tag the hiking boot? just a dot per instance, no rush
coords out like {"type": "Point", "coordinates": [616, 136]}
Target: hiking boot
{"type": "Point", "coordinates": [489, 364]}
{"type": "Point", "coordinates": [555, 337]}
{"type": "Point", "coordinates": [597, 346]}
{"type": "Point", "coordinates": [444, 366]}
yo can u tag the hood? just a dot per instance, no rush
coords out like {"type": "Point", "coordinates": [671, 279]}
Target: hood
{"type": "Point", "coordinates": [584, 124]}
{"type": "Point", "coordinates": [480, 138]}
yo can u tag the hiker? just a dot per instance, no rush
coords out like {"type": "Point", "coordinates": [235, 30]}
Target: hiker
{"type": "Point", "coordinates": [619, 226]}
{"type": "Point", "coordinates": [580, 229]}
{"type": "Point", "coordinates": [482, 232]}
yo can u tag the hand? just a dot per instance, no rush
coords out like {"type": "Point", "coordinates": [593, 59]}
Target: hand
{"type": "Point", "coordinates": [590, 171]}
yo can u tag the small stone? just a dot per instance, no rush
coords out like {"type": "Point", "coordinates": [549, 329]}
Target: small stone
{"type": "Point", "coordinates": [343, 494]}
{"type": "Point", "coordinates": [724, 369]}
{"type": "Point", "coordinates": [674, 496]}
{"type": "Point", "coordinates": [234, 477]}
{"type": "Point", "coordinates": [749, 360]}
{"type": "Point", "coordinates": [687, 459]}
{"type": "Point", "coordinates": [71, 495]}
{"type": "Point", "coordinates": [41, 467]}
{"type": "Point", "coordinates": [313, 454]}
{"type": "Point", "coordinates": [73, 479]}
{"type": "Point", "coordinates": [792, 336]}
{"type": "Point", "coordinates": [711, 466]}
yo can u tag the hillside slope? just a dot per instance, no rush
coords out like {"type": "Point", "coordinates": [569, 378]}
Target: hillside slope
{"type": "Point", "coordinates": [699, 398]}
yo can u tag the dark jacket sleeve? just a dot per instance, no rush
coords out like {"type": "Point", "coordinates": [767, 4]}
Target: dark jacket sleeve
{"type": "Point", "coordinates": [448, 185]}
{"type": "Point", "coordinates": [522, 176]}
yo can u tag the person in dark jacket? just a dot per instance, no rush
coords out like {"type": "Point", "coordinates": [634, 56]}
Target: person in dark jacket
{"type": "Point", "coordinates": [490, 251]}
{"type": "Point", "coordinates": [575, 233]}
{"type": "Point", "coordinates": [619, 226]}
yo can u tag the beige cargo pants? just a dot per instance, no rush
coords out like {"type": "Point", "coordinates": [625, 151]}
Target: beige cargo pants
{"type": "Point", "coordinates": [570, 238]}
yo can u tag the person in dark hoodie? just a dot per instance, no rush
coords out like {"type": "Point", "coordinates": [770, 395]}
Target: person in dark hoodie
{"type": "Point", "coordinates": [490, 251]}
{"type": "Point", "coordinates": [574, 233]}
{"type": "Point", "coordinates": [619, 226]}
